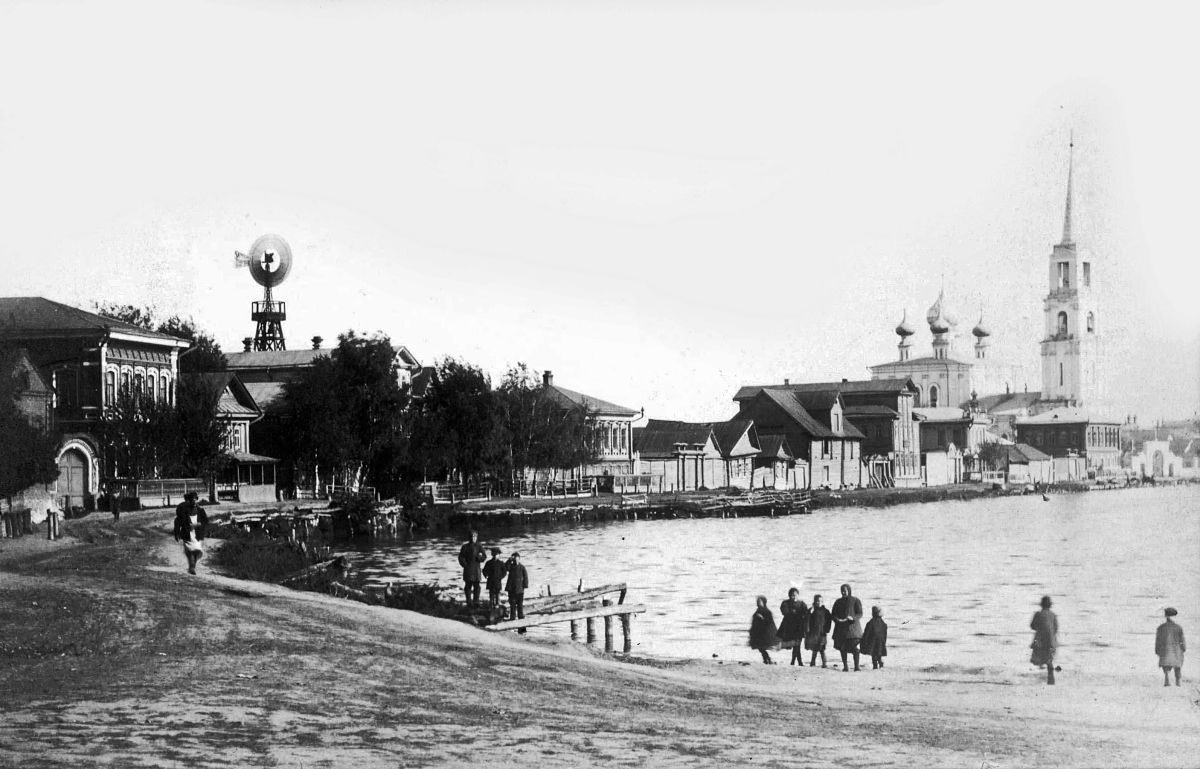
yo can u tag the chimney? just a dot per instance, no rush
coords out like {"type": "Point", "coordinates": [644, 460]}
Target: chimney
{"type": "Point", "coordinates": [786, 382]}
{"type": "Point", "coordinates": [316, 340]}
{"type": "Point", "coordinates": [547, 378]}
{"type": "Point", "coordinates": [845, 380]}
{"type": "Point", "coordinates": [247, 343]}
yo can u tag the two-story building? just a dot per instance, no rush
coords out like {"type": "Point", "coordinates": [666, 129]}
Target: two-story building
{"type": "Point", "coordinates": [613, 425]}
{"type": "Point", "coordinates": [950, 441]}
{"type": "Point", "coordinates": [247, 477]}
{"type": "Point", "coordinates": [86, 359]}
{"type": "Point", "coordinates": [1067, 433]}
{"type": "Point", "coordinates": [816, 429]}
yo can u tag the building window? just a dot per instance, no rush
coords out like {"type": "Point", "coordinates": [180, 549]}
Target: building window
{"type": "Point", "coordinates": [837, 423]}
{"type": "Point", "coordinates": [162, 388]}
{"type": "Point", "coordinates": [125, 381]}
{"type": "Point", "coordinates": [1060, 375]}
{"type": "Point", "coordinates": [1064, 275]}
{"type": "Point", "coordinates": [1062, 324]}
{"type": "Point", "coordinates": [151, 385]}
{"type": "Point", "coordinates": [1091, 322]}
{"type": "Point", "coordinates": [137, 383]}
{"type": "Point", "coordinates": [110, 388]}
{"type": "Point", "coordinates": [1087, 273]}
{"type": "Point", "coordinates": [933, 396]}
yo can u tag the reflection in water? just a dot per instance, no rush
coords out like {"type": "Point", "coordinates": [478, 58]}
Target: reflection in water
{"type": "Point", "coordinates": [957, 581]}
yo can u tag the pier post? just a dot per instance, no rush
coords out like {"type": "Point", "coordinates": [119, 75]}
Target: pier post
{"type": "Point", "coordinates": [628, 645]}
{"type": "Point", "coordinates": [608, 628]}
{"type": "Point", "coordinates": [574, 630]}
{"type": "Point", "coordinates": [591, 630]}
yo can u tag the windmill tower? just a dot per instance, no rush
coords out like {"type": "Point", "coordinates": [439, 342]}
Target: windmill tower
{"type": "Point", "coordinates": [269, 260]}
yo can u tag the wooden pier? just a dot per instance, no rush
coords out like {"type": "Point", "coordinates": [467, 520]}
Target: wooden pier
{"type": "Point", "coordinates": [585, 606]}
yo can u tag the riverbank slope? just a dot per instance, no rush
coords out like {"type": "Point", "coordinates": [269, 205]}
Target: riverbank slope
{"type": "Point", "coordinates": [116, 656]}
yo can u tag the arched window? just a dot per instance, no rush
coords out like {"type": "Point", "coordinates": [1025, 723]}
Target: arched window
{"type": "Point", "coordinates": [933, 396]}
{"type": "Point", "coordinates": [110, 388]}
{"type": "Point", "coordinates": [162, 388]}
{"type": "Point", "coordinates": [1091, 321]}
{"type": "Point", "coordinates": [151, 385]}
{"type": "Point", "coordinates": [1062, 324]}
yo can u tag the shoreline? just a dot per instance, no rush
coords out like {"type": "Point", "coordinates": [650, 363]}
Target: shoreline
{"type": "Point", "coordinates": [133, 662]}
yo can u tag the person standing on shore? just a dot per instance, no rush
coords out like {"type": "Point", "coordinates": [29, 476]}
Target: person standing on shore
{"type": "Point", "coordinates": [819, 622]}
{"type": "Point", "coordinates": [874, 638]}
{"type": "Point", "coordinates": [1170, 646]}
{"type": "Point", "coordinates": [191, 524]}
{"type": "Point", "coordinates": [518, 582]}
{"type": "Point", "coordinates": [1045, 638]}
{"type": "Point", "coordinates": [470, 557]}
{"type": "Point", "coordinates": [494, 571]}
{"type": "Point", "coordinates": [763, 633]}
{"type": "Point", "coordinates": [847, 626]}
{"type": "Point", "coordinates": [793, 621]}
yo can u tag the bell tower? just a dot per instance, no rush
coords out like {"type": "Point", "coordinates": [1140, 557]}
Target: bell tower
{"type": "Point", "coordinates": [1069, 347]}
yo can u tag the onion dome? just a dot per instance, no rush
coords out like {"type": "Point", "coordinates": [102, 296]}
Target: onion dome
{"type": "Point", "coordinates": [980, 330]}
{"type": "Point", "coordinates": [905, 328]}
{"type": "Point", "coordinates": [939, 320]}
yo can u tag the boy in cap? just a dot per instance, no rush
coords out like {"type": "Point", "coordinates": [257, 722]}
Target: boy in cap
{"type": "Point", "coordinates": [494, 571]}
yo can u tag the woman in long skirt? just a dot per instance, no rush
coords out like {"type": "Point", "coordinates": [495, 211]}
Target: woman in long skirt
{"type": "Point", "coordinates": [793, 621]}
{"type": "Point", "coordinates": [763, 633]}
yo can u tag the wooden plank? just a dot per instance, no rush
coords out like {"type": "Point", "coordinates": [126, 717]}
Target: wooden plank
{"type": "Point", "coordinates": [549, 619]}
{"type": "Point", "coordinates": [566, 599]}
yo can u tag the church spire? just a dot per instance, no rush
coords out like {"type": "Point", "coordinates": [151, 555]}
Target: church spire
{"type": "Point", "coordinates": [1066, 238]}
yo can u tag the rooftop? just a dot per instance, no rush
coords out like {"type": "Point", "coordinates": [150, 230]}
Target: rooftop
{"type": "Point", "coordinates": [36, 316]}
{"type": "Point", "coordinates": [572, 399]}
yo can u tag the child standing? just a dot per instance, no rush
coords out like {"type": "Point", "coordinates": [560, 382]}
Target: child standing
{"type": "Point", "coordinates": [874, 639]}
{"type": "Point", "coordinates": [494, 571]}
{"type": "Point", "coordinates": [819, 620]}
{"type": "Point", "coordinates": [763, 633]}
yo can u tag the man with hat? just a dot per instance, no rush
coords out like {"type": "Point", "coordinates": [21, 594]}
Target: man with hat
{"type": "Point", "coordinates": [1045, 638]}
{"type": "Point", "coordinates": [1170, 646]}
{"type": "Point", "coordinates": [470, 557]}
{"type": "Point", "coordinates": [518, 581]}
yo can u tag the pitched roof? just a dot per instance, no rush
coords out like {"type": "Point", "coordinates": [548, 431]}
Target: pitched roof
{"type": "Point", "coordinates": [790, 404]}
{"type": "Point", "coordinates": [1006, 401]}
{"type": "Point", "coordinates": [1023, 453]}
{"type": "Point", "coordinates": [816, 400]}
{"type": "Point", "coordinates": [774, 447]}
{"type": "Point", "coordinates": [728, 434]}
{"type": "Point", "coordinates": [235, 398]}
{"type": "Point", "coordinates": [571, 399]}
{"type": "Point", "coordinates": [268, 395]}
{"type": "Point", "coordinates": [884, 385]}
{"type": "Point", "coordinates": [275, 358]}
{"type": "Point", "coordinates": [941, 413]}
{"type": "Point", "coordinates": [951, 358]}
{"type": "Point", "coordinates": [1065, 415]}
{"type": "Point", "coordinates": [871, 411]}
{"type": "Point", "coordinates": [660, 436]}
{"type": "Point", "coordinates": [37, 316]}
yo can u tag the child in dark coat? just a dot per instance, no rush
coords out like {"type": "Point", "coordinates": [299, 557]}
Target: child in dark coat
{"type": "Point", "coordinates": [518, 581]}
{"type": "Point", "coordinates": [763, 632]}
{"type": "Point", "coordinates": [494, 571]}
{"type": "Point", "coordinates": [874, 639]}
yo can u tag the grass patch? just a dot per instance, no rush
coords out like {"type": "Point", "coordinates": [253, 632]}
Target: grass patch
{"type": "Point", "coordinates": [244, 556]}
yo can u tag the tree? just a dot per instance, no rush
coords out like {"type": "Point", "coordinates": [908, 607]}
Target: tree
{"type": "Point", "coordinates": [27, 450]}
{"type": "Point", "coordinates": [539, 431]}
{"type": "Point", "coordinates": [348, 410]}
{"type": "Point", "coordinates": [138, 435]}
{"type": "Point", "coordinates": [456, 430]}
{"type": "Point", "coordinates": [200, 433]}
{"type": "Point", "coordinates": [993, 456]}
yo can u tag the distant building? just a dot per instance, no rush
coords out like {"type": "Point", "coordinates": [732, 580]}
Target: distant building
{"type": "Point", "coordinates": [708, 455]}
{"type": "Point", "coordinates": [815, 427]}
{"type": "Point", "coordinates": [1073, 433]}
{"type": "Point", "coordinates": [86, 359]}
{"type": "Point", "coordinates": [248, 477]}
{"type": "Point", "coordinates": [1024, 464]}
{"type": "Point", "coordinates": [950, 441]}
{"type": "Point", "coordinates": [613, 425]}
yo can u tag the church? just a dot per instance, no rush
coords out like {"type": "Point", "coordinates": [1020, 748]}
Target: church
{"type": "Point", "coordinates": [1064, 418]}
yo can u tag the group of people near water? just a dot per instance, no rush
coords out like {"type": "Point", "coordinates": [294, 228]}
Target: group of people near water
{"type": "Point", "coordinates": [803, 627]}
{"type": "Point", "coordinates": [476, 566]}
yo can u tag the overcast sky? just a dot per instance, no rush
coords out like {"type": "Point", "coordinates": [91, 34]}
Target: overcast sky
{"type": "Point", "coordinates": [658, 201]}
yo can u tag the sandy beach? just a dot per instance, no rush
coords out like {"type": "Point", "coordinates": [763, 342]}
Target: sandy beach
{"type": "Point", "coordinates": [115, 656]}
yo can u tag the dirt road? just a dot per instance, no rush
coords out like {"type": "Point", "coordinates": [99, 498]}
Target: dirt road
{"type": "Point", "coordinates": [112, 655]}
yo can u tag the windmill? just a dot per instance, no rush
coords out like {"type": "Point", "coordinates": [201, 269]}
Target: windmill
{"type": "Point", "coordinates": [269, 260]}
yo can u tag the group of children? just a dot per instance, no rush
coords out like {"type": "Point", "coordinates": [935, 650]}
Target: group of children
{"type": "Point", "coordinates": [802, 627]}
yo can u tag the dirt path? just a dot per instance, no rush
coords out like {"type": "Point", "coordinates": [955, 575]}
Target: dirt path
{"type": "Point", "coordinates": [115, 656]}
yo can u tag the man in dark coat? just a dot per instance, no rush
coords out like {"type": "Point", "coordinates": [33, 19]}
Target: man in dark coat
{"type": "Point", "coordinates": [470, 557]}
{"type": "Point", "coordinates": [874, 638]}
{"type": "Point", "coordinates": [191, 524]}
{"type": "Point", "coordinates": [847, 626]}
{"type": "Point", "coordinates": [518, 581]}
{"type": "Point", "coordinates": [1045, 638]}
{"type": "Point", "coordinates": [494, 571]}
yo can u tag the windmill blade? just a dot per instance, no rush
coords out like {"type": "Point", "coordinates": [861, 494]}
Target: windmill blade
{"type": "Point", "coordinates": [240, 259]}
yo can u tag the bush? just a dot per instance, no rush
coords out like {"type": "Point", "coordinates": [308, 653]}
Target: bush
{"type": "Point", "coordinates": [246, 556]}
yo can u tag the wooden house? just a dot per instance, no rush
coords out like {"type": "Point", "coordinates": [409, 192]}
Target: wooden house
{"type": "Point", "coordinates": [247, 477]}
{"type": "Point", "coordinates": [706, 455]}
{"type": "Point", "coordinates": [1074, 433]}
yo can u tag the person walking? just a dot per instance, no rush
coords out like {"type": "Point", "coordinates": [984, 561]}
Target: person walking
{"type": "Point", "coordinates": [793, 621]}
{"type": "Point", "coordinates": [819, 622]}
{"type": "Point", "coordinates": [1045, 638]}
{"type": "Point", "coordinates": [1170, 646]}
{"type": "Point", "coordinates": [874, 638]}
{"type": "Point", "coordinates": [470, 557]}
{"type": "Point", "coordinates": [847, 626]}
{"type": "Point", "coordinates": [518, 582]}
{"type": "Point", "coordinates": [763, 633]}
{"type": "Point", "coordinates": [494, 571]}
{"type": "Point", "coordinates": [191, 524]}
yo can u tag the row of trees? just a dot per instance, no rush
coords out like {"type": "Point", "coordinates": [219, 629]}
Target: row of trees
{"type": "Point", "coordinates": [354, 423]}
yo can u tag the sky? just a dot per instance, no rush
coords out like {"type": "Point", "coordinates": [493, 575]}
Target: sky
{"type": "Point", "coordinates": [658, 201]}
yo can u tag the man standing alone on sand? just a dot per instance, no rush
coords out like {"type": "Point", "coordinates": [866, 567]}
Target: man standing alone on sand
{"type": "Point", "coordinates": [1170, 646]}
{"type": "Point", "coordinates": [471, 557]}
{"type": "Point", "coordinates": [191, 523]}
{"type": "Point", "coordinates": [1045, 638]}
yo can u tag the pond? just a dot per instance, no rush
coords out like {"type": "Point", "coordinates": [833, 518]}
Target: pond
{"type": "Point", "coordinates": [957, 581]}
